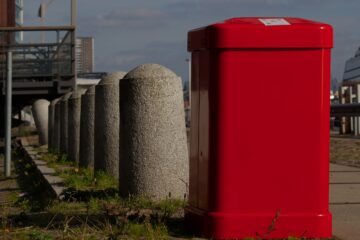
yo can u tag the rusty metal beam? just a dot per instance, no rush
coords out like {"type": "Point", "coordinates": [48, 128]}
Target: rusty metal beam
{"type": "Point", "coordinates": [345, 110]}
{"type": "Point", "coordinates": [30, 45]}
{"type": "Point", "coordinates": [37, 28]}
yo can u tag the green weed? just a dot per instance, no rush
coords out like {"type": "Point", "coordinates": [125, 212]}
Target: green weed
{"type": "Point", "coordinates": [147, 231]}
{"type": "Point", "coordinates": [36, 235]}
{"type": "Point", "coordinates": [66, 207]}
{"type": "Point", "coordinates": [103, 180]}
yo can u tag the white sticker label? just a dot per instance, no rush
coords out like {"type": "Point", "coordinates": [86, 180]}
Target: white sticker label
{"type": "Point", "coordinates": [274, 21]}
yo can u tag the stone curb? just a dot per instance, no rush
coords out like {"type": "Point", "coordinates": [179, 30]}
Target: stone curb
{"type": "Point", "coordinates": [48, 176]}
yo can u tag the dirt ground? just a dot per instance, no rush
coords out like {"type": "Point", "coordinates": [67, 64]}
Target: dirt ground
{"type": "Point", "coordinates": [345, 150]}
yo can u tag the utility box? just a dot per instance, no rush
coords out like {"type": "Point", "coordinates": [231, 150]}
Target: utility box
{"type": "Point", "coordinates": [259, 158]}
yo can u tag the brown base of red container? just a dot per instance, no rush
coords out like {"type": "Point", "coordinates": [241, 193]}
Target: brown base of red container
{"type": "Point", "coordinates": [218, 225]}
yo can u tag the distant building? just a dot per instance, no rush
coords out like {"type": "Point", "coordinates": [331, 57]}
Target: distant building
{"type": "Point", "coordinates": [349, 92]}
{"type": "Point", "coordinates": [19, 19]}
{"type": "Point", "coordinates": [84, 54]}
{"type": "Point", "coordinates": [7, 18]}
{"type": "Point", "coordinates": [7, 13]}
{"type": "Point", "coordinates": [85, 80]}
{"type": "Point", "coordinates": [352, 69]}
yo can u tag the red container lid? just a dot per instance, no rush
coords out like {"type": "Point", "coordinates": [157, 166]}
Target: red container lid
{"type": "Point", "coordinates": [262, 32]}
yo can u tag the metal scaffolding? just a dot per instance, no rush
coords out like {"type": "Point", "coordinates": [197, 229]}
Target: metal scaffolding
{"type": "Point", "coordinates": [44, 70]}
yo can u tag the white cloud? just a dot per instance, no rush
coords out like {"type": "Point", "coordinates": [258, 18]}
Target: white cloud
{"type": "Point", "coordinates": [131, 18]}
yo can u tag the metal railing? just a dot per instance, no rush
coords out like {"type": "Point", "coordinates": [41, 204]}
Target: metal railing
{"type": "Point", "coordinates": [39, 68]}
{"type": "Point", "coordinates": [345, 110]}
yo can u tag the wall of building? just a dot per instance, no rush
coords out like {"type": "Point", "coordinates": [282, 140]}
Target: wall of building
{"type": "Point", "coordinates": [19, 19]}
{"type": "Point", "coordinates": [7, 13]}
{"type": "Point", "coordinates": [84, 55]}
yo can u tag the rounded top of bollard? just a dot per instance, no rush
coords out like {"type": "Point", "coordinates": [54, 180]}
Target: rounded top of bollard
{"type": "Point", "coordinates": [66, 96]}
{"type": "Point", "coordinates": [150, 70]}
{"type": "Point", "coordinates": [78, 93]}
{"type": "Point", "coordinates": [41, 102]}
{"type": "Point", "coordinates": [112, 78]}
{"type": "Point", "coordinates": [55, 101]}
{"type": "Point", "coordinates": [58, 101]}
{"type": "Point", "coordinates": [90, 90]}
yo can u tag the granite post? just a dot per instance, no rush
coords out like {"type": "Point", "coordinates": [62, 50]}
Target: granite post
{"type": "Point", "coordinates": [57, 120]}
{"type": "Point", "coordinates": [153, 147]}
{"type": "Point", "coordinates": [40, 111]}
{"type": "Point", "coordinates": [107, 123]}
{"type": "Point", "coordinates": [74, 110]}
{"type": "Point", "coordinates": [87, 120]}
{"type": "Point", "coordinates": [51, 126]}
{"type": "Point", "coordinates": [64, 110]}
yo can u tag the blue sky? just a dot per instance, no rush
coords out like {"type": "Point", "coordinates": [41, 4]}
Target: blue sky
{"type": "Point", "coordinates": [131, 32]}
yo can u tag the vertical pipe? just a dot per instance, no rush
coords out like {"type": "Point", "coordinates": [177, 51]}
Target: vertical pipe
{"type": "Point", "coordinates": [42, 20]}
{"type": "Point", "coordinates": [57, 56]}
{"type": "Point", "coordinates": [57, 36]}
{"type": "Point", "coordinates": [188, 110]}
{"type": "Point", "coordinates": [8, 114]}
{"type": "Point", "coordinates": [343, 101]}
{"type": "Point", "coordinates": [73, 13]}
{"type": "Point", "coordinates": [357, 101]}
{"type": "Point", "coordinates": [73, 23]}
{"type": "Point", "coordinates": [351, 90]}
{"type": "Point", "coordinates": [74, 70]}
{"type": "Point", "coordinates": [21, 19]}
{"type": "Point", "coordinates": [189, 72]}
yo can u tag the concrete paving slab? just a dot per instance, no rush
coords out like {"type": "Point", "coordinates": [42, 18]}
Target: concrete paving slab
{"type": "Point", "coordinates": [342, 168]}
{"type": "Point", "coordinates": [346, 221]}
{"type": "Point", "coordinates": [54, 179]}
{"type": "Point", "coordinates": [58, 190]}
{"type": "Point", "coordinates": [344, 177]}
{"type": "Point", "coordinates": [46, 170]}
{"type": "Point", "coordinates": [55, 182]}
{"type": "Point", "coordinates": [39, 163]}
{"type": "Point", "coordinates": [345, 201]}
{"type": "Point", "coordinates": [345, 193]}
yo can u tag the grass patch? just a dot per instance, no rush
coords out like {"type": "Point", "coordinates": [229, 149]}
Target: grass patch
{"type": "Point", "coordinates": [38, 235]}
{"type": "Point", "coordinates": [147, 231]}
{"type": "Point", "coordinates": [66, 208]}
{"type": "Point", "coordinates": [24, 131]}
{"type": "Point", "coordinates": [57, 161]}
{"type": "Point", "coordinates": [85, 179]}
{"type": "Point", "coordinates": [78, 178]}
{"type": "Point", "coordinates": [93, 208]}
{"type": "Point", "coordinates": [167, 207]}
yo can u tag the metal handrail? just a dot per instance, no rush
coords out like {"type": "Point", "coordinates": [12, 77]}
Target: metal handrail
{"type": "Point", "coordinates": [345, 110]}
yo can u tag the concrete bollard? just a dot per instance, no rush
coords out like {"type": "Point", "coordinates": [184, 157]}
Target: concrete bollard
{"type": "Point", "coordinates": [40, 111]}
{"type": "Point", "coordinates": [64, 110]}
{"type": "Point", "coordinates": [154, 156]}
{"type": "Point", "coordinates": [107, 124]}
{"type": "Point", "coordinates": [51, 126]}
{"type": "Point", "coordinates": [74, 110]}
{"type": "Point", "coordinates": [57, 120]}
{"type": "Point", "coordinates": [87, 120]}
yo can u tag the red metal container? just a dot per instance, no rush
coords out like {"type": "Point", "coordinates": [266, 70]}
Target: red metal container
{"type": "Point", "coordinates": [259, 164]}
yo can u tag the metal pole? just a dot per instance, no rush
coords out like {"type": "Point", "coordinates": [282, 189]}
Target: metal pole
{"type": "Point", "coordinates": [343, 101]}
{"type": "Point", "coordinates": [73, 23]}
{"type": "Point", "coordinates": [8, 115]}
{"type": "Point", "coordinates": [188, 60]}
{"type": "Point", "coordinates": [42, 19]}
{"type": "Point", "coordinates": [357, 118]}
{"type": "Point", "coordinates": [73, 12]}
{"type": "Point", "coordinates": [352, 119]}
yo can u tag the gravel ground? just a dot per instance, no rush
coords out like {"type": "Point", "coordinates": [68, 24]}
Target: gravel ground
{"type": "Point", "coordinates": [345, 150]}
